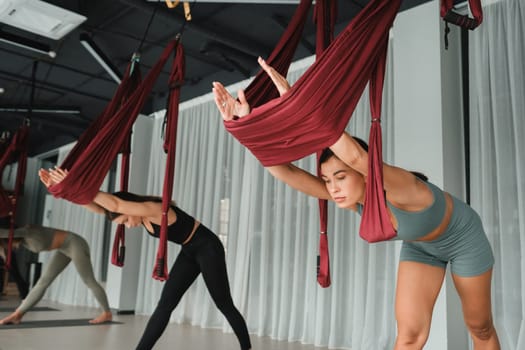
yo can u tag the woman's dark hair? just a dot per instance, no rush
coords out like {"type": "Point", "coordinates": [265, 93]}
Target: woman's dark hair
{"type": "Point", "coordinates": [327, 154]}
{"type": "Point", "coordinates": [131, 197]}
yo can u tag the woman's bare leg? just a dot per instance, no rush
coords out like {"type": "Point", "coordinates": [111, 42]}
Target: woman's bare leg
{"type": "Point", "coordinates": [477, 309]}
{"type": "Point", "coordinates": [418, 286]}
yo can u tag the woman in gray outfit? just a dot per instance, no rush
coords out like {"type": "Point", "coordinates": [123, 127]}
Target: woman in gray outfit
{"type": "Point", "coordinates": [69, 247]}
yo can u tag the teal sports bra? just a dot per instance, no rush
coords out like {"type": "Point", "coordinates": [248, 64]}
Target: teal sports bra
{"type": "Point", "coordinates": [412, 225]}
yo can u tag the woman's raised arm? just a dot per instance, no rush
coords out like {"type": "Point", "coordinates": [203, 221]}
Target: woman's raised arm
{"type": "Point", "coordinates": [300, 180]}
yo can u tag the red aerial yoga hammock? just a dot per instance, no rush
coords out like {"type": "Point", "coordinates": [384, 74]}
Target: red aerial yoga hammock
{"type": "Point", "coordinates": [325, 14]}
{"type": "Point", "coordinates": [16, 152]}
{"type": "Point", "coordinates": [172, 116]}
{"type": "Point", "coordinates": [315, 111]}
{"type": "Point", "coordinates": [105, 138]}
{"type": "Point", "coordinates": [262, 89]}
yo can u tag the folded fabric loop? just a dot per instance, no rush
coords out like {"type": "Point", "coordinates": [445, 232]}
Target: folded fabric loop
{"type": "Point", "coordinates": [323, 270]}
{"type": "Point", "coordinates": [464, 21]}
{"type": "Point", "coordinates": [160, 272]}
{"type": "Point", "coordinates": [119, 249]}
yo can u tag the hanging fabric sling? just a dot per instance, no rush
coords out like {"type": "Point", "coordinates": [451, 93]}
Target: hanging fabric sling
{"type": "Point", "coordinates": [160, 272]}
{"type": "Point", "coordinates": [119, 242]}
{"type": "Point", "coordinates": [110, 134]}
{"type": "Point", "coordinates": [91, 157]}
{"type": "Point", "coordinates": [323, 99]}
{"type": "Point", "coordinates": [325, 14]}
{"type": "Point", "coordinates": [118, 251]}
{"type": "Point", "coordinates": [16, 152]}
{"type": "Point", "coordinates": [262, 89]}
{"type": "Point", "coordinates": [314, 113]}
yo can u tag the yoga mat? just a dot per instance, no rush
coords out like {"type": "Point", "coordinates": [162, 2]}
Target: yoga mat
{"type": "Point", "coordinates": [38, 308]}
{"type": "Point", "coordinates": [54, 323]}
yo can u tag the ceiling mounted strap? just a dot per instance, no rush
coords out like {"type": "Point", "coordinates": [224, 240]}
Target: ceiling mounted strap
{"type": "Point", "coordinates": [32, 96]}
{"type": "Point", "coordinates": [147, 30]}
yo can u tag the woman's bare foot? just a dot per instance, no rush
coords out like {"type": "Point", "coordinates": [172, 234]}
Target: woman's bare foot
{"type": "Point", "coordinates": [14, 318]}
{"type": "Point", "coordinates": [106, 316]}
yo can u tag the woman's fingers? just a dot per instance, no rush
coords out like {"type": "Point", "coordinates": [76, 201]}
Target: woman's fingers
{"type": "Point", "coordinates": [223, 100]}
{"type": "Point", "coordinates": [242, 97]}
{"type": "Point", "coordinates": [279, 81]}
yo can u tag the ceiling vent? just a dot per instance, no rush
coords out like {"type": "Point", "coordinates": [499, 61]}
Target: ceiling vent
{"type": "Point", "coordinates": [39, 17]}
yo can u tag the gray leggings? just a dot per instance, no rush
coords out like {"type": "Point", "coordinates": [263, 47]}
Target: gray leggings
{"type": "Point", "coordinates": [74, 248]}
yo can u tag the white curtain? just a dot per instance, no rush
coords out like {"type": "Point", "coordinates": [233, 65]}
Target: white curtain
{"type": "Point", "coordinates": [497, 104]}
{"type": "Point", "coordinates": [68, 288]}
{"type": "Point", "coordinates": [271, 235]}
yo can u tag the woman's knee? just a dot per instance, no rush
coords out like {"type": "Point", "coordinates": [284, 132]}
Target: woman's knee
{"type": "Point", "coordinates": [481, 329]}
{"type": "Point", "coordinates": [413, 336]}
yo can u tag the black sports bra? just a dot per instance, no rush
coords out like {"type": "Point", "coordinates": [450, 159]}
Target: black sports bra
{"type": "Point", "coordinates": [180, 230]}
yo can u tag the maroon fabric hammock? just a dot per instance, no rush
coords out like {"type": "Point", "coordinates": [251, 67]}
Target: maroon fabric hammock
{"type": "Point", "coordinates": [100, 145]}
{"type": "Point", "coordinates": [262, 90]}
{"type": "Point", "coordinates": [119, 242]}
{"type": "Point", "coordinates": [160, 271]}
{"type": "Point", "coordinates": [325, 14]}
{"type": "Point", "coordinates": [130, 83]}
{"type": "Point", "coordinates": [106, 137]}
{"type": "Point", "coordinates": [15, 152]}
{"type": "Point", "coordinates": [324, 99]}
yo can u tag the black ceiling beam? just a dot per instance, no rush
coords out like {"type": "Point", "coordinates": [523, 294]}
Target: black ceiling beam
{"type": "Point", "coordinates": [238, 59]}
{"type": "Point", "coordinates": [246, 45]}
{"type": "Point", "coordinates": [58, 65]}
{"type": "Point", "coordinates": [283, 23]}
{"type": "Point", "coordinates": [62, 110]}
{"type": "Point", "coordinates": [190, 52]}
{"type": "Point", "coordinates": [50, 86]}
{"type": "Point", "coordinates": [75, 126]}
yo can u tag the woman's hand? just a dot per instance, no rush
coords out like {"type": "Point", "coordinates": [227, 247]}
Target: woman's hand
{"type": "Point", "coordinates": [52, 176]}
{"type": "Point", "coordinates": [229, 106]}
{"type": "Point", "coordinates": [280, 82]}
{"type": "Point", "coordinates": [45, 178]}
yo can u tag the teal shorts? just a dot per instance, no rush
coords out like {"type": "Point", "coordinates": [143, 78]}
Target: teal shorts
{"type": "Point", "coordinates": [464, 244]}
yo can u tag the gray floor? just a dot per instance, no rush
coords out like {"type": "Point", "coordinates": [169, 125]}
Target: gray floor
{"type": "Point", "coordinates": [118, 336]}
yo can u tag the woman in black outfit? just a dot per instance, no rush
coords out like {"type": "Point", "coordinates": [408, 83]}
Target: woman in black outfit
{"type": "Point", "coordinates": [201, 252]}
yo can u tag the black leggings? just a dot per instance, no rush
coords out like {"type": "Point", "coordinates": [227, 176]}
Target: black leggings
{"type": "Point", "coordinates": [203, 253]}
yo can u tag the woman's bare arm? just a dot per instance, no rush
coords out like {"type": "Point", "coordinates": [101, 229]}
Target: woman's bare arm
{"type": "Point", "coordinates": [402, 187]}
{"type": "Point", "coordinates": [300, 180]}
{"type": "Point", "coordinates": [115, 204]}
